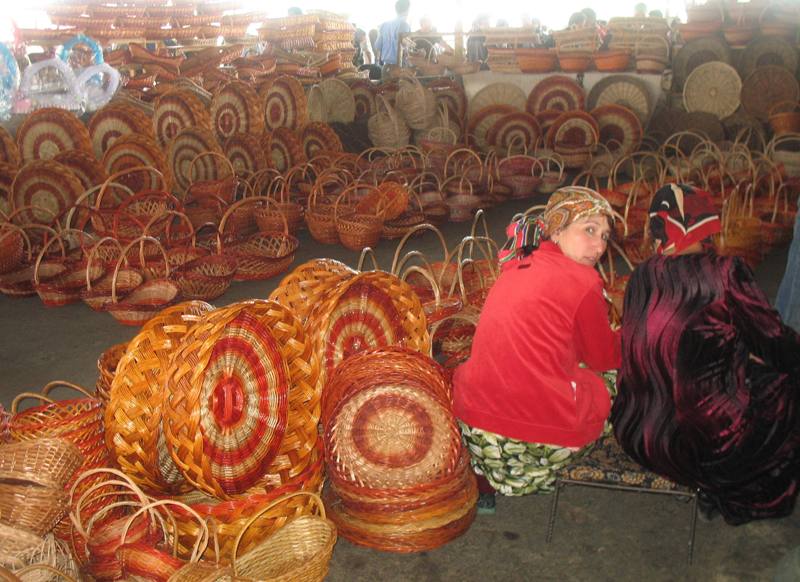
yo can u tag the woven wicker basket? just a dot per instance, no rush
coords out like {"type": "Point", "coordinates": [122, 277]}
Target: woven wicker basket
{"type": "Point", "coordinates": [48, 462]}
{"type": "Point", "coordinates": [386, 128]}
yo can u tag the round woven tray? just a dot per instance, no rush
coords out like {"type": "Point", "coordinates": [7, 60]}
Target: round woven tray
{"type": "Point", "coordinates": [338, 101]}
{"type": "Point", "coordinates": [556, 93]}
{"type": "Point", "coordinates": [114, 121]}
{"type": "Point", "coordinates": [619, 127]}
{"type": "Point", "coordinates": [482, 121]}
{"type": "Point", "coordinates": [178, 110]}
{"type": "Point", "coordinates": [134, 410]}
{"type": "Point", "coordinates": [49, 131]}
{"type": "Point", "coordinates": [514, 133]}
{"type": "Point", "coordinates": [451, 93]}
{"type": "Point", "coordinates": [9, 152]}
{"type": "Point", "coordinates": [236, 108]}
{"type": "Point", "coordinates": [368, 311]}
{"type": "Point", "coordinates": [252, 376]}
{"type": "Point", "coordinates": [625, 90]}
{"type": "Point", "coordinates": [498, 94]}
{"type": "Point", "coordinates": [84, 166]}
{"type": "Point", "coordinates": [285, 104]}
{"type": "Point", "coordinates": [184, 148]}
{"type": "Point", "coordinates": [319, 137]}
{"type": "Point", "coordinates": [767, 86]}
{"type": "Point", "coordinates": [713, 88]}
{"type": "Point", "coordinates": [246, 154]}
{"type": "Point", "coordinates": [285, 149]}
{"type": "Point", "coordinates": [134, 150]}
{"type": "Point", "coordinates": [48, 186]}
{"type": "Point", "coordinates": [695, 53]}
{"type": "Point", "coordinates": [767, 50]}
{"type": "Point", "coordinates": [573, 129]}
{"type": "Point", "coordinates": [363, 99]}
{"type": "Point", "coordinates": [303, 288]}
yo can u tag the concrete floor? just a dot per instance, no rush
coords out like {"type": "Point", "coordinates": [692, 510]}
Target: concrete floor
{"type": "Point", "coordinates": [599, 535]}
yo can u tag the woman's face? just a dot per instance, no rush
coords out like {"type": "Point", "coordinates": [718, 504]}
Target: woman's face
{"type": "Point", "coordinates": [584, 240]}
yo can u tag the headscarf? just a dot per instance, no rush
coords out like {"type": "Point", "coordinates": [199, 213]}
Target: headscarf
{"type": "Point", "coordinates": [680, 216]}
{"type": "Point", "coordinates": [565, 206]}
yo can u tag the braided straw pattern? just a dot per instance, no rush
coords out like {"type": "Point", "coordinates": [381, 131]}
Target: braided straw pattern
{"type": "Point", "coordinates": [318, 136]}
{"type": "Point", "coordinates": [285, 148]}
{"type": "Point", "coordinates": [49, 131]}
{"type": "Point", "coordinates": [236, 108]}
{"type": "Point", "coordinates": [32, 507]}
{"type": "Point", "coordinates": [133, 413]}
{"type": "Point", "coordinates": [285, 104]}
{"type": "Point", "coordinates": [307, 284]}
{"type": "Point", "coordinates": [244, 398]}
{"type": "Point", "coordinates": [178, 110]}
{"type": "Point", "coordinates": [84, 166]}
{"type": "Point", "coordinates": [107, 368]}
{"type": "Point", "coordinates": [46, 185]}
{"type": "Point", "coordinates": [135, 150]}
{"type": "Point", "coordinates": [114, 121]}
{"type": "Point", "coordinates": [370, 310]}
{"type": "Point", "coordinates": [246, 154]}
{"type": "Point", "coordinates": [184, 148]}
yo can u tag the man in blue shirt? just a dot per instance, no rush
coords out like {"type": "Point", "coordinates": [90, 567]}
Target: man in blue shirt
{"type": "Point", "coordinates": [386, 45]}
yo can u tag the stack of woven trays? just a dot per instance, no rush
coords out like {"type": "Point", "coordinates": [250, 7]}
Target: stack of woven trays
{"type": "Point", "coordinates": [33, 499]}
{"type": "Point", "coordinates": [399, 477]}
{"type": "Point", "coordinates": [236, 426]}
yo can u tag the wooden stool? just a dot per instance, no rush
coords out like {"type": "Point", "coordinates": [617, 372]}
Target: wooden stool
{"type": "Point", "coordinates": [607, 466]}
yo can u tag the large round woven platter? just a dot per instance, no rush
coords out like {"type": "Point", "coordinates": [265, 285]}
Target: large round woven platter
{"type": "Point", "coordinates": [319, 137]}
{"type": "Point", "coordinates": [556, 93]}
{"type": "Point", "coordinates": [370, 310]}
{"type": "Point", "coordinates": [338, 101]}
{"type": "Point", "coordinates": [226, 411]}
{"type": "Point", "coordinates": [185, 147]}
{"type": "Point", "coordinates": [49, 131]}
{"type": "Point", "coordinates": [713, 88]}
{"type": "Point", "coordinates": [620, 129]}
{"type": "Point", "coordinates": [116, 120]}
{"type": "Point", "coordinates": [131, 151]}
{"type": "Point", "coordinates": [177, 110]}
{"type": "Point", "coordinates": [236, 108]}
{"type": "Point", "coordinates": [285, 104]}
{"type": "Point", "coordinates": [482, 121]}
{"type": "Point", "coordinates": [48, 187]}
{"type": "Point", "coordinates": [285, 149]}
{"type": "Point", "coordinates": [84, 165]}
{"type": "Point", "coordinates": [767, 86]}
{"type": "Point", "coordinates": [498, 94]}
{"type": "Point", "coordinates": [393, 433]}
{"type": "Point", "coordinates": [134, 433]}
{"type": "Point", "coordinates": [695, 53]}
{"type": "Point", "coordinates": [308, 284]}
{"type": "Point", "coordinates": [246, 154]}
{"type": "Point", "coordinates": [9, 152]}
{"type": "Point", "coordinates": [573, 129]}
{"type": "Point", "coordinates": [7, 175]}
{"type": "Point", "coordinates": [363, 99]}
{"type": "Point", "coordinates": [514, 133]}
{"type": "Point", "coordinates": [625, 90]}
{"type": "Point", "coordinates": [767, 50]}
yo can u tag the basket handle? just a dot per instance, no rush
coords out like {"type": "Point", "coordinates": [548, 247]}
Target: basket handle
{"type": "Point", "coordinates": [470, 154]}
{"type": "Point", "coordinates": [43, 252]}
{"type": "Point", "coordinates": [367, 252]}
{"type": "Point", "coordinates": [267, 201]}
{"type": "Point", "coordinates": [113, 177]}
{"type": "Point", "coordinates": [42, 566]}
{"type": "Point", "coordinates": [141, 240]}
{"type": "Point", "coordinates": [22, 209]}
{"type": "Point", "coordinates": [437, 296]}
{"type": "Point", "coordinates": [418, 228]}
{"type": "Point", "coordinates": [480, 216]}
{"type": "Point", "coordinates": [168, 241]}
{"type": "Point", "coordinates": [215, 155]}
{"type": "Point", "coordinates": [200, 544]}
{"type": "Point", "coordinates": [23, 395]}
{"type": "Point", "coordinates": [63, 383]}
{"type": "Point", "coordinates": [314, 497]}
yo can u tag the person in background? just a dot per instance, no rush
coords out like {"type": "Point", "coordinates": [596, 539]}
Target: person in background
{"type": "Point", "coordinates": [530, 398]}
{"type": "Point", "coordinates": [788, 301]}
{"type": "Point", "coordinates": [709, 388]}
{"type": "Point", "coordinates": [476, 49]}
{"type": "Point", "coordinates": [363, 54]}
{"type": "Point", "coordinates": [426, 38]}
{"type": "Point", "coordinates": [389, 34]}
{"type": "Point", "coordinates": [577, 20]}
{"type": "Point", "coordinates": [295, 11]}
{"type": "Point", "coordinates": [655, 14]}
{"type": "Point", "coordinates": [640, 10]}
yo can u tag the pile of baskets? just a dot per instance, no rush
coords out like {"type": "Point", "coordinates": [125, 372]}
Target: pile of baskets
{"type": "Point", "coordinates": [400, 478]}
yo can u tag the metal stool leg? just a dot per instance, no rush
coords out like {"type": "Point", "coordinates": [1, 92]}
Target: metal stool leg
{"type": "Point", "coordinates": [692, 528]}
{"type": "Point", "coordinates": [551, 523]}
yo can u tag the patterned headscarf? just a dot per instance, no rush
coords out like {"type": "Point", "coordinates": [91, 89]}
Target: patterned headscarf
{"type": "Point", "coordinates": [566, 205]}
{"type": "Point", "coordinates": [681, 215]}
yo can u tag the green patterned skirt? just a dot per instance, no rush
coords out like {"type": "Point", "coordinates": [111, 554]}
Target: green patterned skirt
{"type": "Point", "coordinates": [515, 467]}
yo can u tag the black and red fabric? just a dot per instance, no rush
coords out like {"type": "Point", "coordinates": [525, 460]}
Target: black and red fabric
{"type": "Point", "coordinates": [680, 216]}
